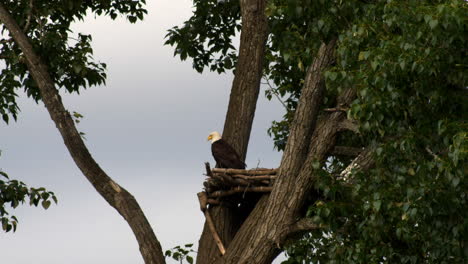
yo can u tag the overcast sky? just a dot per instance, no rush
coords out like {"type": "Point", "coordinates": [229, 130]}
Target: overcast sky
{"type": "Point", "coordinates": [147, 128]}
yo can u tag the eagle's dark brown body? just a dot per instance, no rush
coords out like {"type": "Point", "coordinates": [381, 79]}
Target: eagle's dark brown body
{"type": "Point", "coordinates": [226, 156]}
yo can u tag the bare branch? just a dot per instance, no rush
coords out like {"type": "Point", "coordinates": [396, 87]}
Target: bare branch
{"type": "Point", "coordinates": [433, 154]}
{"type": "Point", "coordinates": [274, 92]}
{"type": "Point", "coordinates": [301, 226]}
{"type": "Point", "coordinates": [203, 199]}
{"type": "Point", "coordinates": [336, 109]}
{"type": "Point", "coordinates": [347, 124]}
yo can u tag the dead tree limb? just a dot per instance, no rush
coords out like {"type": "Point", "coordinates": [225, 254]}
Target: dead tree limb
{"type": "Point", "coordinates": [203, 200]}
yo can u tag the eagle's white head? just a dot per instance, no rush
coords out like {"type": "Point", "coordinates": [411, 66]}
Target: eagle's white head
{"type": "Point", "coordinates": [214, 136]}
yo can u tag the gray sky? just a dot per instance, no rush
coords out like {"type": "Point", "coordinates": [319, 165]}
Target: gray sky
{"type": "Point", "coordinates": [147, 128]}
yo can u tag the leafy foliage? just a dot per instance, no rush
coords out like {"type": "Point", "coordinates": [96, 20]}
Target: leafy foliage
{"type": "Point", "coordinates": [68, 56]}
{"type": "Point", "coordinates": [69, 60]}
{"type": "Point", "coordinates": [13, 193]}
{"type": "Point", "coordinates": [207, 36]}
{"type": "Point", "coordinates": [181, 253]}
{"type": "Point", "coordinates": [408, 62]}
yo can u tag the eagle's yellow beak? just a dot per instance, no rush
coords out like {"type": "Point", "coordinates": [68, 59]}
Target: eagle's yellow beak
{"type": "Point", "coordinates": [209, 137]}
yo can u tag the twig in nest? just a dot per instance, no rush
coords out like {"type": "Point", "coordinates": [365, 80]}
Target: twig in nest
{"type": "Point", "coordinates": [208, 169]}
{"type": "Point", "coordinates": [241, 189]}
{"type": "Point", "coordinates": [246, 172]}
{"type": "Point", "coordinates": [254, 178]}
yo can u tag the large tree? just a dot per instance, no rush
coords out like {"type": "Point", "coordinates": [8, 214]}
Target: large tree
{"type": "Point", "coordinates": [373, 150]}
{"type": "Point", "coordinates": [374, 135]}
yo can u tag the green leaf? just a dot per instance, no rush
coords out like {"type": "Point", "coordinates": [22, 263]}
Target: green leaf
{"type": "Point", "coordinates": [363, 55]}
{"type": "Point", "coordinates": [332, 76]}
{"type": "Point", "coordinates": [316, 164]}
{"type": "Point", "coordinates": [455, 181]}
{"type": "Point", "coordinates": [402, 65]}
{"type": "Point", "coordinates": [46, 204]}
{"type": "Point", "coordinates": [377, 205]}
{"type": "Point", "coordinates": [379, 151]}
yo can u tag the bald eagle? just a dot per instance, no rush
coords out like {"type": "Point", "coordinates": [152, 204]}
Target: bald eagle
{"type": "Point", "coordinates": [224, 154]}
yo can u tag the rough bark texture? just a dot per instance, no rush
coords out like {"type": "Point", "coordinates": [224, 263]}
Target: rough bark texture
{"type": "Point", "coordinates": [260, 237]}
{"type": "Point", "coordinates": [239, 117]}
{"type": "Point", "coordinates": [114, 194]}
{"type": "Point", "coordinates": [246, 83]}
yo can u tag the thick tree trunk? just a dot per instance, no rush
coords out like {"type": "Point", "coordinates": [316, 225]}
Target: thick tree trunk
{"type": "Point", "coordinates": [115, 195]}
{"type": "Point", "coordinates": [261, 236]}
{"type": "Point", "coordinates": [246, 83]}
{"type": "Point", "coordinates": [239, 117]}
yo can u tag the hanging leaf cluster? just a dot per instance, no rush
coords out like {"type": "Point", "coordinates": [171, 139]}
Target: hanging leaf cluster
{"type": "Point", "coordinates": [68, 56]}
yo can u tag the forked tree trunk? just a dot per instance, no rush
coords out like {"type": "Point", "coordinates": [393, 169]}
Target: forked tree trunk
{"type": "Point", "coordinates": [115, 195]}
{"type": "Point", "coordinates": [261, 236]}
{"type": "Point", "coordinates": [239, 118]}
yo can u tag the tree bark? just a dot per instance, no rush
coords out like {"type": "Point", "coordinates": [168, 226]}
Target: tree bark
{"type": "Point", "coordinates": [114, 194]}
{"type": "Point", "coordinates": [239, 117]}
{"type": "Point", "coordinates": [260, 238]}
{"type": "Point", "coordinates": [246, 83]}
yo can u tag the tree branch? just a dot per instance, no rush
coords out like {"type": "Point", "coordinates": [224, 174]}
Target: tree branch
{"type": "Point", "coordinates": [114, 194]}
{"type": "Point", "coordinates": [203, 199]}
{"type": "Point", "coordinates": [304, 225]}
{"type": "Point", "coordinates": [28, 19]}
{"type": "Point", "coordinates": [293, 230]}
{"type": "Point", "coordinates": [347, 124]}
{"type": "Point", "coordinates": [362, 162]}
{"type": "Point", "coordinates": [275, 92]}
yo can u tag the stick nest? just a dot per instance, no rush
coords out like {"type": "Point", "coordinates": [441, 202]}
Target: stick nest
{"type": "Point", "coordinates": [223, 183]}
